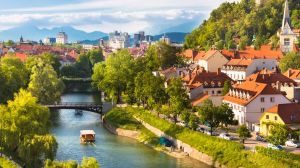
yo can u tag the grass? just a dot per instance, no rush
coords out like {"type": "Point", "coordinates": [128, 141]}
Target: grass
{"type": "Point", "coordinates": [229, 153]}
{"type": "Point", "coordinates": [121, 118]}
{"type": "Point", "coordinates": [4, 163]}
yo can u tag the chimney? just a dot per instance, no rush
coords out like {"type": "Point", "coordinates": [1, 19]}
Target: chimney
{"type": "Point", "coordinates": [219, 71]}
{"type": "Point", "coordinates": [289, 73]}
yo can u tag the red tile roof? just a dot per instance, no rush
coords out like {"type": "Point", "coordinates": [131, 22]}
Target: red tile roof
{"type": "Point", "coordinates": [253, 89]}
{"type": "Point", "coordinates": [289, 113]}
{"type": "Point", "coordinates": [200, 99]}
{"type": "Point", "coordinates": [240, 62]}
{"type": "Point", "coordinates": [293, 74]}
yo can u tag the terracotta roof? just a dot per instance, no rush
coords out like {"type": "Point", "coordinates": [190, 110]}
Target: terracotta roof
{"type": "Point", "coordinates": [289, 113]}
{"type": "Point", "coordinates": [296, 30]}
{"type": "Point", "coordinates": [200, 99]}
{"type": "Point", "coordinates": [189, 54]}
{"type": "Point", "coordinates": [265, 52]}
{"type": "Point", "coordinates": [240, 62]}
{"type": "Point", "coordinates": [199, 77]}
{"type": "Point", "coordinates": [21, 56]}
{"type": "Point", "coordinates": [209, 53]}
{"type": "Point", "coordinates": [293, 74]}
{"type": "Point", "coordinates": [199, 55]}
{"type": "Point", "coordinates": [251, 89]}
{"type": "Point", "coordinates": [270, 77]}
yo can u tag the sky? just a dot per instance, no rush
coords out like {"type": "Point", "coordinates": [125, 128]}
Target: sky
{"type": "Point", "coordinates": [106, 15]}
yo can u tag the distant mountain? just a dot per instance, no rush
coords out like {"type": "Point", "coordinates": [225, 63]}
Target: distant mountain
{"type": "Point", "coordinates": [176, 37]}
{"type": "Point", "coordinates": [30, 32]}
{"type": "Point", "coordinates": [184, 27]}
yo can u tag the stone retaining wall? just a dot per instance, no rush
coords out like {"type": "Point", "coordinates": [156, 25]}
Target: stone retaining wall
{"type": "Point", "coordinates": [192, 152]}
{"type": "Point", "coordinates": [121, 132]}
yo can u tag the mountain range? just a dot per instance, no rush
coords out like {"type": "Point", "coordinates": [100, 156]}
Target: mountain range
{"type": "Point", "coordinates": [29, 32]}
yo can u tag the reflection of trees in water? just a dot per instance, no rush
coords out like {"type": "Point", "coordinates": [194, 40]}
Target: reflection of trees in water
{"type": "Point", "coordinates": [54, 118]}
{"type": "Point", "coordinates": [72, 86]}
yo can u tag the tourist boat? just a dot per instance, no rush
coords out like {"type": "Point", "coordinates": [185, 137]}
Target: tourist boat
{"type": "Point", "coordinates": [78, 112]}
{"type": "Point", "coordinates": [87, 136]}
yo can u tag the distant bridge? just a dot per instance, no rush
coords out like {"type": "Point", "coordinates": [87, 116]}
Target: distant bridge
{"type": "Point", "coordinates": [92, 107]}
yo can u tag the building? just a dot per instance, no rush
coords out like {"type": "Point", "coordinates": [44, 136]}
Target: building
{"type": "Point", "coordinates": [200, 82]}
{"type": "Point", "coordinates": [119, 40]}
{"type": "Point", "coordinates": [239, 69]}
{"type": "Point", "coordinates": [211, 61]}
{"type": "Point", "coordinates": [62, 38]}
{"type": "Point", "coordinates": [279, 82]}
{"type": "Point", "coordinates": [286, 114]}
{"type": "Point", "coordinates": [49, 40]}
{"type": "Point", "coordinates": [288, 36]}
{"type": "Point", "coordinates": [293, 74]}
{"type": "Point", "coordinates": [250, 99]}
{"type": "Point", "coordinates": [165, 39]}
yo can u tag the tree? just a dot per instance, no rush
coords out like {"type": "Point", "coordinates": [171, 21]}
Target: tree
{"type": "Point", "coordinates": [178, 98]}
{"type": "Point", "coordinates": [26, 126]}
{"type": "Point", "coordinates": [279, 134]}
{"type": "Point", "coordinates": [83, 66]}
{"type": "Point", "coordinates": [244, 133]}
{"type": "Point", "coordinates": [89, 163]}
{"type": "Point", "coordinates": [14, 77]}
{"type": "Point", "coordinates": [86, 163]}
{"type": "Point", "coordinates": [149, 89]}
{"type": "Point", "coordinates": [48, 58]}
{"type": "Point", "coordinates": [114, 75]}
{"type": "Point", "coordinates": [227, 87]}
{"type": "Point", "coordinates": [210, 115]}
{"type": "Point", "coordinates": [95, 56]}
{"type": "Point", "coordinates": [44, 83]}
{"type": "Point", "coordinates": [227, 115]}
{"type": "Point", "coordinates": [291, 60]}
{"type": "Point", "coordinates": [193, 122]}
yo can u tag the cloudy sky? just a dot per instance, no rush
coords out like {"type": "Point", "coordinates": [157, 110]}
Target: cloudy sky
{"type": "Point", "coordinates": [106, 15]}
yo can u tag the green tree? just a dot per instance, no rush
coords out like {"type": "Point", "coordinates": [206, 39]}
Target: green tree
{"type": "Point", "coordinates": [279, 134]}
{"type": "Point", "coordinates": [14, 77]}
{"type": "Point", "coordinates": [114, 75]}
{"type": "Point", "coordinates": [95, 56]}
{"type": "Point", "coordinates": [26, 126]}
{"type": "Point", "coordinates": [89, 163]}
{"type": "Point", "coordinates": [290, 60]}
{"type": "Point", "coordinates": [86, 163]}
{"type": "Point", "coordinates": [48, 58]}
{"type": "Point", "coordinates": [44, 83]}
{"type": "Point", "coordinates": [83, 66]}
{"type": "Point", "coordinates": [227, 87]}
{"type": "Point", "coordinates": [210, 115]}
{"type": "Point", "coordinates": [244, 133]}
{"type": "Point", "coordinates": [193, 122]}
{"type": "Point", "coordinates": [178, 98]}
{"type": "Point", "coordinates": [227, 115]}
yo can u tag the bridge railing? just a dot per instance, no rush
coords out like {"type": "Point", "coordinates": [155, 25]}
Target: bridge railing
{"type": "Point", "coordinates": [76, 104]}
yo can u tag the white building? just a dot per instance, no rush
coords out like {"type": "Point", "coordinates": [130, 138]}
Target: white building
{"type": "Point", "coordinates": [62, 38]}
{"type": "Point", "coordinates": [240, 69]}
{"type": "Point", "coordinates": [119, 40]}
{"type": "Point", "coordinates": [250, 100]}
{"type": "Point", "coordinates": [49, 40]}
{"type": "Point", "coordinates": [165, 39]}
{"type": "Point", "coordinates": [288, 36]}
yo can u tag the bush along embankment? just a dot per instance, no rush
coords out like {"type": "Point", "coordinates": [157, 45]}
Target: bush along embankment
{"type": "Point", "coordinates": [227, 153]}
{"type": "Point", "coordinates": [120, 118]}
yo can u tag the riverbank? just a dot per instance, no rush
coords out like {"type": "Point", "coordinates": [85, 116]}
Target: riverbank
{"type": "Point", "coordinates": [121, 123]}
{"type": "Point", "coordinates": [213, 150]}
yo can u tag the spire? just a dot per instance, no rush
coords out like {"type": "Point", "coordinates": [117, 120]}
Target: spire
{"type": "Point", "coordinates": [286, 15]}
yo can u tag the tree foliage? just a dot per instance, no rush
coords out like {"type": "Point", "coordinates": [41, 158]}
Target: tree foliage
{"type": "Point", "coordinates": [44, 83]}
{"type": "Point", "coordinates": [252, 24]}
{"type": "Point", "coordinates": [25, 127]}
{"type": "Point", "coordinates": [86, 163]}
{"type": "Point", "coordinates": [290, 60]}
{"type": "Point", "coordinates": [227, 87]}
{"type": "Point", "coordinates": [279, 134]}
{"type": "Point", "coordinates": [13, 76]}
{"type": "Point", "coordinates": [243, 132]}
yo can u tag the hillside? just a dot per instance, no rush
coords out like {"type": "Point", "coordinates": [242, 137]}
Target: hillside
{"type": "Point", "coordinates": [242, 23]}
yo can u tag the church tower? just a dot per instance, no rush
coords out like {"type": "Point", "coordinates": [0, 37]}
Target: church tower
{"type": "Point", "coordinates": [288, 38]}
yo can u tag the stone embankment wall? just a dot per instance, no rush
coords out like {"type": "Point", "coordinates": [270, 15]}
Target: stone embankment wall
{"type": "Point", "coordinates": [192, 152]}
{"type": "Point", "coordinates": [121, 132]}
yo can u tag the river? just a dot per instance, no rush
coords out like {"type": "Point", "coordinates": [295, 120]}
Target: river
{"type": "Point", "coordinates": [111, 151]}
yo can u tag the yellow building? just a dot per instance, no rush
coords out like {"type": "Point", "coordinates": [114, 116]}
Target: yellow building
{"type": "Point", "coordinates": [287, 114]}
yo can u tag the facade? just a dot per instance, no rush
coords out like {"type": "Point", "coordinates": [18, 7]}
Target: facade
{"type": "Point", "coordinates": [286, 114]}
{"type": "Point", "coordinates": [165, 39]}
{"type": "Point", "coordinates": [250, 99]}
{"type": "Point", "coordinates": [239, 69]}
{"type": "Point", "coordinates": [119, 40]}
{"type": "Point", "coordinates": [279, 82]}
{"type": "Point", "coordinates": [49, 40]}
{"type": "Point", "coordinates": [212, 61]}
{"type": "Point", "coordinates": [201, 82]}
{"type": "Point", "coordinates": [288, 36]}
{"type": "Point", "coordinates": [62, 38]}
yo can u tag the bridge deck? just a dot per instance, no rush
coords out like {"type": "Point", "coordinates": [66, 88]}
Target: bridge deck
{"type": "Point", "coordinates": [97, 108]}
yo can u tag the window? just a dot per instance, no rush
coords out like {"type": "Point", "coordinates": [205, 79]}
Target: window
{"type": "Point", "coordinates": [213, 92]}
{"type": "Point", "coordinates": [272, 99]}
{"type": "Point", "coordinates": [262, 99]}
{"type": "Point", "coordinates": [267, 117]}
{"type": "Point", "coordinates": [219, 92]}
{"type": "Point", "coordinates": [262, 110]}
{"type": "Point", "coordinates": [275, 118]}
{"type": "Point", "coordinates": [286, 41]}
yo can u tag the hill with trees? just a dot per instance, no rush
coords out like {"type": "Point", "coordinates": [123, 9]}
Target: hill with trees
{"type": "Point", "coordinates": [242, 23]}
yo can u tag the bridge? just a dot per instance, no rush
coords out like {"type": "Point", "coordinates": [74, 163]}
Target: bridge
{"type": "Point", "coordinates": [92, 107]}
